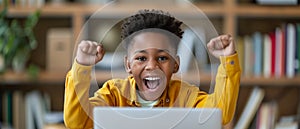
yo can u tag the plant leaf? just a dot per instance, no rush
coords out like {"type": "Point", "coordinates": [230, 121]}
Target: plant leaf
{"type": "Point", "coordinates": [32, 20]}
{"type": "Point", "coordinates": [3, 28]}
{"type": "Point", "coordinates": [3, 13]}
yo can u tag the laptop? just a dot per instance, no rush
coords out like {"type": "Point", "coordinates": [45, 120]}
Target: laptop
{"type": "Point", "coordinates": [157, 118]}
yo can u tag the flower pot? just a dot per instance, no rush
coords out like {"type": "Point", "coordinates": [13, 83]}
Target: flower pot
{"type": "Point", "coordinates": [19, 61]}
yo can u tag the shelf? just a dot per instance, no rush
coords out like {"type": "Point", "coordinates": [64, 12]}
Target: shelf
{"type": "Point", "coordinates": [267, 11]}
{"type": "Point", "coordinates": [271, 82]}
{"type": "Point", "coordinates": [205, 80]}
{"type": "Point", "coordinates": [11, 78]}
{"type": "Point", "coordinates": [228, 10]}
{"type": "Point", "coordinates": [112, 11]}
{"type": "Point", "coordinates": [54, 10]}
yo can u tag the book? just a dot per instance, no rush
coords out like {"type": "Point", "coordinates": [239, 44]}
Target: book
{"type": "Point", "coordinates": [273, 51]}
{"type": "Point", "coordinates": [282, 58]}
{"type": "Point", "coordinates": [18, 110]}
{"type": "Point", "coordinates": [287, 122]}
{"type": "Point", "coordinates": [7, 109]}
{"type": "Point", "coordinates": [297, 63]}
{"type": "Point", "coordinates": [29, 118]}
{"type": "Point", "coordinates": [257, 47]}
{"type": "Point", "coordinates": [267, 57]}
{"type": "Point", "coordinates": [292, 125]}
{"type": "Point", "coordinates": [249, 56]}
{"type": "Point", "coordinates": [291, 53]}
{"type": "Point", "coordinates": [251, 108]}
{"type": "Point", "coordinates": [267, 115]}
{"type": "Point", "coordinates": [279, 52]}
{"type": "Point", "coordinates": [262, 118]}
{"type": "Point", "coordinates": [35, 110]}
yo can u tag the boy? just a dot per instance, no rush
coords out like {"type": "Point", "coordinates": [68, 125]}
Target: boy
{"type": "Point", "coordinates": [151, 39]}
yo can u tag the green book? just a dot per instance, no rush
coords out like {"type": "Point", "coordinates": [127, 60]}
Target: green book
{"type": "Point", "coordinates": [298, 49]}
{"type": "Point", "coordinates": [7, 108]}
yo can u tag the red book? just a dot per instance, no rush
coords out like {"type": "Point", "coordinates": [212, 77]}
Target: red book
{"type": "Point", "coordinates": [273, 51]}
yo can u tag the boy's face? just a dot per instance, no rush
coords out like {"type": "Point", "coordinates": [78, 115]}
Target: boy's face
{"type": "Point", "coordinates": [151, 60]}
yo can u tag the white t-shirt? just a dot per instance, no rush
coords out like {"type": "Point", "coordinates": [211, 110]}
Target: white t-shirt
{"type": "Point", "coordinates": [145, 103]}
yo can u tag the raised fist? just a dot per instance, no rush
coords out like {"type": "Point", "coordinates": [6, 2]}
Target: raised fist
{"type": "Point", "coordinates": [89, 53]}
{"type": "Point", "coordinates": [221, 46]}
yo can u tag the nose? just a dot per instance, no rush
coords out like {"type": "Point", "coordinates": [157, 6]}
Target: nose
{"type": "Point", "coordinates": [151, 65]}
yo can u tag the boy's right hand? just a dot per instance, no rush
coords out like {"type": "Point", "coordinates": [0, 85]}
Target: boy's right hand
{"type": "Point", "coordinates": [89, 53]}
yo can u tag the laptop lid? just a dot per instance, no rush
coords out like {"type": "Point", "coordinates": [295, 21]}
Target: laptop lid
{"type": "Point", "coordinates": [157, 118]}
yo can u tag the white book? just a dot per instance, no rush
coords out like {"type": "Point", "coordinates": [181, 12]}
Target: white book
{"type": "Point", "coordinates": [267, 115]}
{"type": "Point", "coordinates": [250, 109]}
{"type": "Point", "coordinates": [263, 117]}
{"type": "Point", "coordinates": [293, 125]}
{"type": "Point", "coordinates": [249, 56]}
{"type": "Point", "coordinates": [291, 50]}
{"type": "Point", "coordinates": [29, 119]}
{"type": "Point", "coordinates": [35, 111]}
{"type": "Point", "coordinates": [267, 56]}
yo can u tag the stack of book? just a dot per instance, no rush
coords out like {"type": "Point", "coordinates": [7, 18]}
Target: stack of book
{"type": "Point", "coordinates": [275, 54]}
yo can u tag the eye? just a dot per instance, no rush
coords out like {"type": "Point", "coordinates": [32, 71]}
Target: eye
{"type": "Point", "coordinates": [162, 58]}
{"type": "Point", "coordinates": [141, 58]}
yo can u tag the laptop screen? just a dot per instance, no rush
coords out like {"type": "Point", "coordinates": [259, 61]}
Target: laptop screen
{"type": "Point", "coordinates": [157, 118]}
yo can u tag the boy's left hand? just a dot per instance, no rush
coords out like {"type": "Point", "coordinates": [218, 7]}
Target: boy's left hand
{"type": "Point", "coordinates": [221, 46]}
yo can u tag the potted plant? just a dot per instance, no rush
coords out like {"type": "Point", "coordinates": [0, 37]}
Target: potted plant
{"type": "Point", "coordinates": [16, 41]}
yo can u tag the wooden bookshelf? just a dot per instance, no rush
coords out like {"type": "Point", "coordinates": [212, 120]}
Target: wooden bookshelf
{"type": "Point", "coordinates": [230, 14]}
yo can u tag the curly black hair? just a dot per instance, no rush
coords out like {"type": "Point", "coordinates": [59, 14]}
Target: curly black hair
{"type": "Point", "coordinates": [148, 19]}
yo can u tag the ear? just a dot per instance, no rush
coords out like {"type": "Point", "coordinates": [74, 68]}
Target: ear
{"type": "Point", "coordinates": [177, 64]}
{"type": "Point", "coordinates": [127, 65]}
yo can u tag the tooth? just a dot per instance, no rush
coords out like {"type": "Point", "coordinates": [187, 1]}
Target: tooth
{"type": "Point", "coordinates": [152, 78]}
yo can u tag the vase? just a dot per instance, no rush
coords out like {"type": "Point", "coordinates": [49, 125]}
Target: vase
{"type": "Point", "coordinates": [19, 62]}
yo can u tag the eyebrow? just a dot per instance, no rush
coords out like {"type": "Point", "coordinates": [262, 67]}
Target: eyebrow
{"type": "Point", "coordinates": [159, 50]}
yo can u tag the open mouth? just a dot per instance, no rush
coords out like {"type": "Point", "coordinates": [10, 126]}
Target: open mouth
{"type": "Point", "coordinates": [152, 82]}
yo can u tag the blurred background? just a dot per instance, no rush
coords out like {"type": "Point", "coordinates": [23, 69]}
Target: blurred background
{"type": "Point", "coordinates": [38, 39]}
